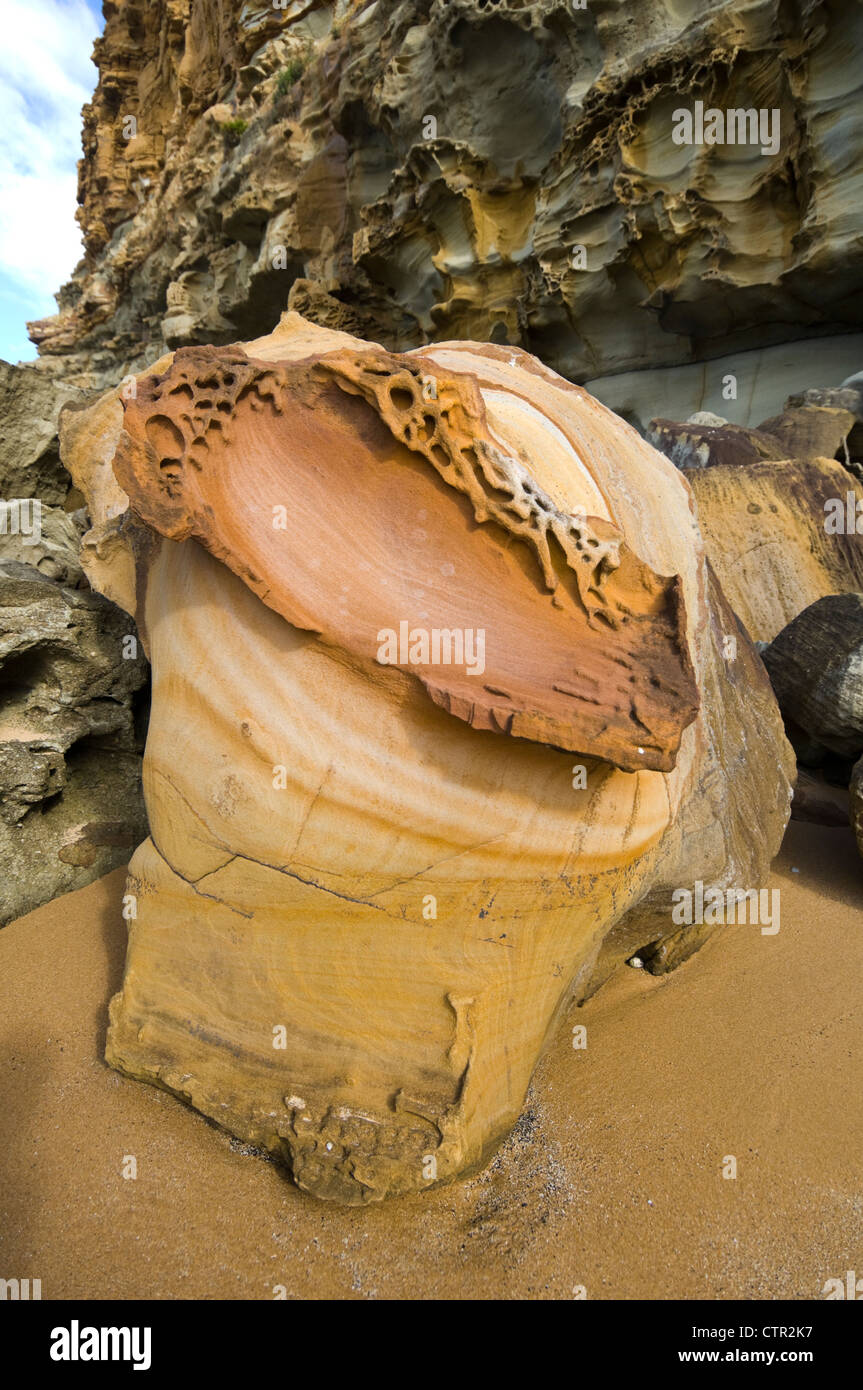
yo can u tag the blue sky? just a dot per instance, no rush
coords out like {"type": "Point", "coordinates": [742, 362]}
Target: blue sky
{"type": "Point", "coordinates": [46, 76]}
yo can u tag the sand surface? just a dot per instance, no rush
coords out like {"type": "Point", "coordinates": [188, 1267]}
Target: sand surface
{"type": "Point", "coordinates": [612, 1180]}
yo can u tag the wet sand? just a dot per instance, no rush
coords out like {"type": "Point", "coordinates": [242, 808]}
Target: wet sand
{"type": "Point", "coordinates": [611, 1181]}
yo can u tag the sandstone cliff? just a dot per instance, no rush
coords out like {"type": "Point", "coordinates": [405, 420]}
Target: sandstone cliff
{"type": "Point", "coordinates": [415, 170]}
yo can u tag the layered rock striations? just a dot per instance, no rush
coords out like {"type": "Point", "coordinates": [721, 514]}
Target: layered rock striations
{"type": "Point", "coordinates": [377, 868]}
{"type": "Point", "coordinates": [815, 665]}
{"type": "Point", "coordinates": [781, 505]}
{"type": "Point", "coordinates": [418, 171]}
{"type": "Point", "coordinates": [70, 751]}
{"type": "Point", "coordinates": [72, 677]}
{"type": "Point", "coordinates": [767, 527]}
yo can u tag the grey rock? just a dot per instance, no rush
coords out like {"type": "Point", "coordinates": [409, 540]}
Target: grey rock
{"type": "Point", "coordinates": [815, 666]}
{"type": "Point", "coordinates": [30, 405]}
{"type": "Point", "coordinates": [706, 417]}
{"type": "Point", "coordinates": [834, 397]}
{"type": "Point", "coordinates": [701, 443]}
{"type": "Point", "coordinates": [71, 806]}
{"type": "Point", "coordinates": [50, 542]}
{"type": "Point", "coordinates": [854, 382]}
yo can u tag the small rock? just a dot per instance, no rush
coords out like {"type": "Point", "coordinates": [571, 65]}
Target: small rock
{"type": "Point", "coordinates": [706, 417]}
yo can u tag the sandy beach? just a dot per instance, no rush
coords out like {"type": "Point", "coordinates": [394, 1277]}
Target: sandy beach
{"type": "Point", "coordinates": [611, 1182]}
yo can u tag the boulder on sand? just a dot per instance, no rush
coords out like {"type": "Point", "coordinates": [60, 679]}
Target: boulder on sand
{"type": "Point", "coordinates": [444, 710]}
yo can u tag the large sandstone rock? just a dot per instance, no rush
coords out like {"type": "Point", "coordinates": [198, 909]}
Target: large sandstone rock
{"type": "Point", "coordinates": [374, 878]}
{"type": "Point", "coordinates": [812, 431]}
{"type": "Point", "coordinates": [765, 526]}
{"type": "Point", "coordinates": [412, 171]}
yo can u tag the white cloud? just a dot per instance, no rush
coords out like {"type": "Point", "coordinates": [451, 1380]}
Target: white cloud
{"type": "Point", "coordinates": [46, 76]}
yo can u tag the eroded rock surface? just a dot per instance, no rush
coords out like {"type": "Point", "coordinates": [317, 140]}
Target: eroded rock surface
{"type": "Point", "coordinates": [70, 766]}
{"type": "Point", "coordinates": [72, 701]}
{"type": "Point", "coordinates": [706, 440]}
{"type": "Point", "coordinates": [46, 538]}
{"type": "Point", "coordinates": [373, 880]}
{"type": "Point", "coordinates": [436, 169]}
{"type": "Point", "coordinates": [769, 538]}
{"type": "Point", "coordinates": [31, 401]}
{"type": "Point", "coordinates": [816, 668]}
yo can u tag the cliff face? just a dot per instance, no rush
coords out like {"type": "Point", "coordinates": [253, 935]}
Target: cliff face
{"type": "Point", "coordinates": [418, 170]}
{"type": "Point", "coordinates": [72, 703]}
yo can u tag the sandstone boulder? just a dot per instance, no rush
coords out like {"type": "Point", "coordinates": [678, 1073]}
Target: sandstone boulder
{"type": "Point", "coordinates": [811, 431]}
{"type": "Point", "coordinates": [377, 868]}
{"type": "Point", "coordinates": [770, 536]}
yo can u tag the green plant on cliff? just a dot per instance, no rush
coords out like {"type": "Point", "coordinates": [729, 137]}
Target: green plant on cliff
{"type": "Point", "coordinates": [234, 130]}
{"type": "Point", "coordinates": [290, 75]}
